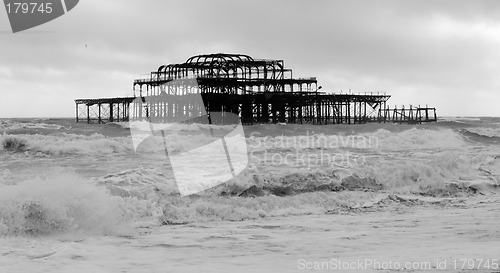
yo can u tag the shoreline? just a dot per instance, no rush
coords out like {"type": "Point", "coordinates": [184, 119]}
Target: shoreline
{"type": "Point", "coordinates": [424, 234]}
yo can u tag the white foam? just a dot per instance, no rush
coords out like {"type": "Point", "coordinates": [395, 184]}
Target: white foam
{"type": "Point", "coordinates": [485, 131]}
{"type": "Point", "coordinates": [59, 204]}
{"type": "Point", "coordinates": [68, 144]}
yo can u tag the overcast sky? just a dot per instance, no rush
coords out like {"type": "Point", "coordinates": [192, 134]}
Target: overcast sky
{"type": "Point", "coordinates": [441, 53]}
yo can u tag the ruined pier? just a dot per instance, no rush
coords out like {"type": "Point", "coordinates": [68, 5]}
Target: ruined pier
{"type": "Point", "coordinates": [255, 90]}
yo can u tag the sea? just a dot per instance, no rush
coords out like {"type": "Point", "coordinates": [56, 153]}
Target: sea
{"type": "Point", "coordinates": [77, 197]}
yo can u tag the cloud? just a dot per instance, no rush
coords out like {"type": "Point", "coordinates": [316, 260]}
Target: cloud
{"type": "Point", "coordinates": [434, 52]}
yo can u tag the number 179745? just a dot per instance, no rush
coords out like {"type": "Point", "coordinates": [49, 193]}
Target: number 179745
{"type": "Point", "coordinates": [29, 8]}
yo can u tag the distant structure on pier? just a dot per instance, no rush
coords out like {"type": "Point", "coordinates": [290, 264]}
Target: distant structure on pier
{"type": "Point", "coordinates": [257, 90]}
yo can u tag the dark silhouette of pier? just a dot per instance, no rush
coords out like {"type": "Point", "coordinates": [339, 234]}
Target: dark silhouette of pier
{"type": "Point", "coordinates": [256, 90]}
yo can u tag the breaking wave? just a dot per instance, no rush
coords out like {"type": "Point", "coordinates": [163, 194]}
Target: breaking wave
{"type": "Point", "coordinates": [435, 161]}
{"type": "Point", "coordinates": [63, 144]}
{"type": "Point", "coordinates": [15, 125]}
{"type": "Point", "coordinates": [482, 135]}
{"type": "Point", "coordinates": [63, 204]}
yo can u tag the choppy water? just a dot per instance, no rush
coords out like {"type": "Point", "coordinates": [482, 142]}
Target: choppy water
{"type": "Point", "coordinates": [63, 181]}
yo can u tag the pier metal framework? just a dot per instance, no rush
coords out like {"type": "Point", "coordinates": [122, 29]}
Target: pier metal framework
{"type": "Point", "coordinates": [257, 90]}
{"type": "Point", "coordinates": [229, 74]}
{"type": "Point", "coordinates": [103, 110]}
{"type": "Point", "coordinates": [410, 115]}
